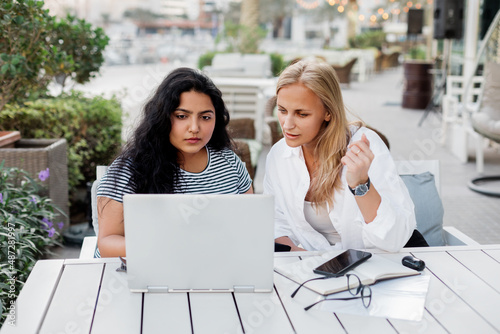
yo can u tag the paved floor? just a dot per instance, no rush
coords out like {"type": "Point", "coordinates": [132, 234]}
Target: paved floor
{"type": "Point", "coordinates": [378, 102]}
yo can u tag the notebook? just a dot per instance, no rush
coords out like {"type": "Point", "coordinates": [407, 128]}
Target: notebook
{"type": "Point", "coordinates": [376, 268]}
{"type": "Point", "coordinates": [199, 243]}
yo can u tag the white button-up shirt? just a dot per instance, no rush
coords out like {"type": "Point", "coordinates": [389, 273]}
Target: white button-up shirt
{"type": "Point", "coordinates": [288, 180]}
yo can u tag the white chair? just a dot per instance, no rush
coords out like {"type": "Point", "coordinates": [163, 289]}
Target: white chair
{"type": "Point", "coordinates": [452, 107]}
{"type": "Point", "coordinates": [89, 245]}
{"type": "Point", "coordinates": [422, 180]}
{"type": "Point", "coordinates": [484, 121]}
{"type": "Point", "coordinates": [244, 100]}
{"type": "Point", "coordinates": [240, 65]}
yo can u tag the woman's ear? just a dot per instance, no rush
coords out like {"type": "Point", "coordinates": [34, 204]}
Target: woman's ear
{"type": "Point", "coordinates": [328, 116]}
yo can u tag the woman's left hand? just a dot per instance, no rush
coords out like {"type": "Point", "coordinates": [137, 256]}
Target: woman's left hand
{"type": "Point", "coordinates": [358, 160]}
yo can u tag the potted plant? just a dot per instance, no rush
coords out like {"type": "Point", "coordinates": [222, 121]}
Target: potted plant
{"type": "Point", "coordinates": [8, 138]}
{"type": "Point", "coordinates": [28, 229]}
{"type": "Point", "coordinates": [34, 155]}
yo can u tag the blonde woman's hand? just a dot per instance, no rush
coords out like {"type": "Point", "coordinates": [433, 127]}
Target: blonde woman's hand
{"type": "Point", "coordinates": [358, 160]}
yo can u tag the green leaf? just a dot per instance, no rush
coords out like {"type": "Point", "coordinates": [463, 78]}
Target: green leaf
{"type": "Point", "coordinates": [19, 20]}
{"type": "Point", "coordinates": [4, 68]}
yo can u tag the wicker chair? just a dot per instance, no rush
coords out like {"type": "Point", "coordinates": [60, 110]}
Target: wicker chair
{"type": "Point", "coordinates": [242, 130]}
{"type": "Point", "coordinates": [344, 72]}
{"type": "Point", "coordinates": [34, 155]}
{"type": "Point", "coordinates": [391, 60]}
{"type": "Point", "coordinates": [378, 63]}
{"type": "Point", "coordinates": [484, 122]}
{"type": "Point", "coordinates": [272, 121]}
{"type": "Point", "coordinates": [242, 149]}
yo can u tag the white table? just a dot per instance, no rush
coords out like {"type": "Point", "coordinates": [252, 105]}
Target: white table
{"type": "Point", "coordinates": [89, 296]}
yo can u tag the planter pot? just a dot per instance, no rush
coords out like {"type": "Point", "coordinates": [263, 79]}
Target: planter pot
{"type": "Point", "coordinates": [418, 84]}
{"type": "Point", "coordinates": [35, 155]}
{"type": "Point", "coordinates": [8, 138]}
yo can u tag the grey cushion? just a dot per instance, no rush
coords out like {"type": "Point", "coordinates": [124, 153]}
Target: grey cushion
{"type": "Point", "coordinates": [429, 209]}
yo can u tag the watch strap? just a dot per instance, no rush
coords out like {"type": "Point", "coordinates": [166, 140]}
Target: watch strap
{"type": "Point", "coordinates": [353, 191]}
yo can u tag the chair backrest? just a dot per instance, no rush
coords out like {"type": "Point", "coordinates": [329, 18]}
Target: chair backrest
{"type": "Point", "coordinates": [455, 86]}
{"type": "Point", "coordinates": [245, 101]}
{"type": "Point", "coordinates": [257, 65]}
{"type": "Point", "coordinates": [242, 127]}
{"type": "Point", "coordinates": [226, 60]}
{"type": "Point", "coordinates": [421, 178]}
{"type": "Point", "coordinates": [243, 151]}
{"type": "Point", "coordinates": [413, 167]}
{"type": "Point", "coordinates": [100, 171]}
{"type": "Point", "coordinates": [344, 71]}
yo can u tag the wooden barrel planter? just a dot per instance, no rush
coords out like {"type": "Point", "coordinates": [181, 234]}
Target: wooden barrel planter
{"type": "Point", "coordinates": [418, 84]}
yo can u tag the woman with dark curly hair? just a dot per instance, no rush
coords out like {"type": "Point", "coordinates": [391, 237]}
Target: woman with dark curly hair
{"type": "Point", "coordinates": [180, 146]}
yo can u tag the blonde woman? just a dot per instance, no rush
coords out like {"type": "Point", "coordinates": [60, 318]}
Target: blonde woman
{"type": "Point", "coordinates": [335, 183]}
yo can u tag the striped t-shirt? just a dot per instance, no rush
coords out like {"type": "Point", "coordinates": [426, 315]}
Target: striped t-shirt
{"type": "Point", "coordinates": [225, 174]}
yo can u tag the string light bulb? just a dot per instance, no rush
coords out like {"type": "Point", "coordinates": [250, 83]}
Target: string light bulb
{"type": "Point", "coordinates": [307, 4]}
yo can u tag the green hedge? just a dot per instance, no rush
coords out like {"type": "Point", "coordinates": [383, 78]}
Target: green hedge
{"type": "Point", "coordinates": [91, 126]}
{"type": "Point", "coordinates": [278, 64]}
{"type": "Point", "coordinates": [206, 59]}
{"type": "Point", "coordinates": [375, 38]}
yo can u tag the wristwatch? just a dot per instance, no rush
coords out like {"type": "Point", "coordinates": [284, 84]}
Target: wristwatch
{"type": "Point", "coordinates": [360, 189]}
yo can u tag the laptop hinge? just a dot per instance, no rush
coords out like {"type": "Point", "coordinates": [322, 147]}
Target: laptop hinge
{"type": "Point", "coordinates": [244, 288]}
{"type": "Point", "coordinates": [159, 289]}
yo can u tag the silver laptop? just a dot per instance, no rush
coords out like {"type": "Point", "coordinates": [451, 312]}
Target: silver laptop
{"type": "Point", "coordinates": [214, 243]}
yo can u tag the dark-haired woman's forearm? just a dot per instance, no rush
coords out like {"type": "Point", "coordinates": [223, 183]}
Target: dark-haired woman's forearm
{"type": "Point", "coordinates": [111, 238]}
{"type": "Point", "coordinates": [112, 246]}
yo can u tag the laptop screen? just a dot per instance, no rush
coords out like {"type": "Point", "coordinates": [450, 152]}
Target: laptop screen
{"type": "Point", "coordinates": [185, 242]}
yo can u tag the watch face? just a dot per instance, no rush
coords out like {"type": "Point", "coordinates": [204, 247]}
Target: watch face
{"type": "Point", "coordinates": [361, 189]}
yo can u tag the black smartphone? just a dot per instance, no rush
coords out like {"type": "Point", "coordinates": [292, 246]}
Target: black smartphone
{"type": "Point", "coordinates": [281, 248]}
{"type": "Point", "coordinates": [342, 263]}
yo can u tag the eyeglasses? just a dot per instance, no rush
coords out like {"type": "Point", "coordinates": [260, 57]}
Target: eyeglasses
{"type": "Point", "coordinates": [355, 287]}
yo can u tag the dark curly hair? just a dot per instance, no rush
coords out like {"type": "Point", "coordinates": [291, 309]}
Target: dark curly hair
{"type": "Point", "coordinates": [154, 158]}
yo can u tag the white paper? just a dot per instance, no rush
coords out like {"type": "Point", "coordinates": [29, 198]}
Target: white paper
{"type": "Point", "coordinates": [400, 298]}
